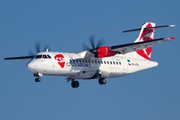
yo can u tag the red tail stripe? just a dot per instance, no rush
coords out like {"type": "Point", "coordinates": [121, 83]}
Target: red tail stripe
{"type": "Point", "coordinates": [148, 50]}
{"type": "Point", "coordinates": [141, 53]}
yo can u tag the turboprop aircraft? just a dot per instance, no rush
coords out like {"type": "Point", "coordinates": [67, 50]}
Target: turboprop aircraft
{"type": "Point", "coordinates": [98, 62]}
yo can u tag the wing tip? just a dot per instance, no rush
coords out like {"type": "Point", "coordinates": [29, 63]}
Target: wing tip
{"type": "Point", "coordinates": [172, 25]}
{"type": "Point", "coordinates": [171, 37]}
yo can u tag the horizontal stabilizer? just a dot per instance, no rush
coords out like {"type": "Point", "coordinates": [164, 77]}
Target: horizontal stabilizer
{"type": "Point", "coordinates": [154, 28]}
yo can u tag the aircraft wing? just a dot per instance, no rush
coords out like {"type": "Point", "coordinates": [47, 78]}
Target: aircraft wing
{"type": "Point", "coordinates": [126, 48]}
{"type": "Point", "coordinates": [19, 58]}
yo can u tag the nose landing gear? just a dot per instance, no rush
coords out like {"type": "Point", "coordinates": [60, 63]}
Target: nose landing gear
{"type": "Point", "coordinates": [38, 79]}
{"type": "Point", "coordinates": [37, 75]}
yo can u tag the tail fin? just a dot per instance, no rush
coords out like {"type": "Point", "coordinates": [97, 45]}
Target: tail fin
{"type": "Point", "coordinates": [146, 35]}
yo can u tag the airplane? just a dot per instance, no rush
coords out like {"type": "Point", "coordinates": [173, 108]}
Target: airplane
{"type": "Point", "coordinates": [97, 62]}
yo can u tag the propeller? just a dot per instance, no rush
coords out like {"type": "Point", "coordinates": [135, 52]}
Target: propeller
{"type": "Point", "coordinates": [93, 48]}
{"type": "Point", "coordinates": [31, 54]}
{"type": "Point", "coordinates": [37, 47]}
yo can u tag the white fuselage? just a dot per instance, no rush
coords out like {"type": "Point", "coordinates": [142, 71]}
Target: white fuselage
{"type": "Point", "coordinates": [76, 66]}
{"type": "Point", "coordinates": [98, 62]}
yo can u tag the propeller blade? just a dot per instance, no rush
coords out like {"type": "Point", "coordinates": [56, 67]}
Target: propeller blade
{"type": "Point", "coordinates": [30, 53]}
{"type": "Point", "coordinates": [46, 47]}
{"type": "Point", "coordinates": [100, 43]}
{"type": "Point", "coordinates": [94, 49]}
{"type": "Point", "coordinates": [37, 46]}
{"type": "Point", "coordinates": [85, 47]}
{"type": "Point", "coordinates": [91, 39]}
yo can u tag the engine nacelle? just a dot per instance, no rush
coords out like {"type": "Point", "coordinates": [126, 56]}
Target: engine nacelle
{"type": "Point", "coordinates": [104, 52]}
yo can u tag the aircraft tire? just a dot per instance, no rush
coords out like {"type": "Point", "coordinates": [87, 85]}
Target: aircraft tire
{"type": "Point", "coordinates": [37, 79]}
{"type": "Point", "coordinates": [102, 81]}
{"type": "Point", "coordinates": [75, 84]}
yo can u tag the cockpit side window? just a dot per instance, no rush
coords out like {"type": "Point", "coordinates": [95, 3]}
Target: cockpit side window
{"type": "Point", "coordinates": [49, 56]}
{"type": "Point", "coordinates": [38, 56]}
{"type": "Point", "coordinates": [44, 56]}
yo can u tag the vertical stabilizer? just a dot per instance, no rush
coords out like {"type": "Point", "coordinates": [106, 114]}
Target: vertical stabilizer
{"type": "Point", "coordinates": [146, 35]}
{"type": "Point", "coordinates": [142, 46]}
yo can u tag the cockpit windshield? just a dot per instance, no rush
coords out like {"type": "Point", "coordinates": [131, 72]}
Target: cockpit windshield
{"type": "Point", "coordinates": [38, 56]}
{"type": "Point", "coordinates": [43, 56]}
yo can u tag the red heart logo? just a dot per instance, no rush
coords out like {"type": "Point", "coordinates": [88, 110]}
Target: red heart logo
{"type": "Point", "coordinates": [60, 59]}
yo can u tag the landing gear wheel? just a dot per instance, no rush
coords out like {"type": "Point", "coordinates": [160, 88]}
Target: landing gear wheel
{"type": "Point", "coordinates": [102, 81]}
{"type": "Point", "coordinates": [75, 84]}
{"type": "Point", "coordinates": [37, 79]}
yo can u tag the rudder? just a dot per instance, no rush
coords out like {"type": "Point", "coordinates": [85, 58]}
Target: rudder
{"type": "Point", "coordinates": [146, 35]}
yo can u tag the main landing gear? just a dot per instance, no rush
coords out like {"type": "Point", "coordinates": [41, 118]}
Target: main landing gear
{"type": "Point", "coordinates": [74, 84]}
{"type": "Point", "coordinates": [102, 81]}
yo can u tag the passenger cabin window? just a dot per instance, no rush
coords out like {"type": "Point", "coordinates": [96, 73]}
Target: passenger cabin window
{"type": "Point", "coordinates": [95, 61]}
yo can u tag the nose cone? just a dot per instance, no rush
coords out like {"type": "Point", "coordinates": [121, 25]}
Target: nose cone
{"type": "Point", "coordinates": [31, 67]}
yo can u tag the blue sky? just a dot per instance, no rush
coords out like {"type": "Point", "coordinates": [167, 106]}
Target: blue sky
{"type": "Point", "coordinates": [65, 25]}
